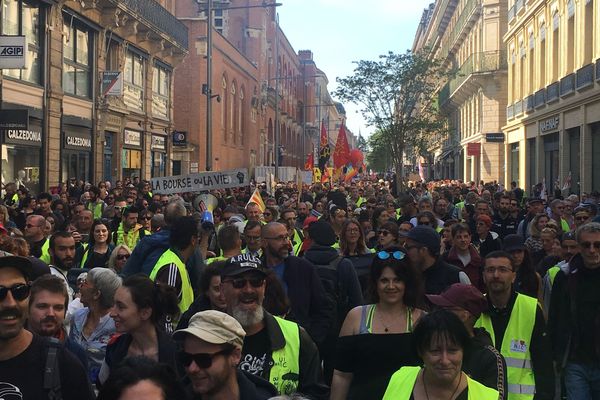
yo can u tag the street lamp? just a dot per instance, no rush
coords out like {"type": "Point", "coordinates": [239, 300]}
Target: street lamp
{"type": "Point", "coordinates": [207, 89]}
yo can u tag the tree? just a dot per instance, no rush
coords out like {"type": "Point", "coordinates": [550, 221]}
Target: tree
{"type": "Point", "coordinates": [379, 156]}
{"type": "Point", "coordinates": [362, 144]}
{"type": "Point", "coordinates": [398, 95]}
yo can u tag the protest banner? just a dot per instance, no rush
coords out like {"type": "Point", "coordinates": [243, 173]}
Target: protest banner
{"type": "Point", "coordinates": [200, 182]}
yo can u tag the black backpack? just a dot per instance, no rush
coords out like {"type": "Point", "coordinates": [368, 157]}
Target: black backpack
{"type": "Point", "coordinates": [335, 290]}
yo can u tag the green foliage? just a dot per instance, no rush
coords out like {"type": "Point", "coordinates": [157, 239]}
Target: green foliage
{"type": "Point", "coordinates": [379, 157]}
{"type": "Point", "coordinates": [397, 95]}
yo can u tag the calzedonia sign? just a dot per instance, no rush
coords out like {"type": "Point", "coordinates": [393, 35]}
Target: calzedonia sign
{"type": "Point", "coordinates": [29, 138]}
{"type": "Point", "coordinates": [78, 141]}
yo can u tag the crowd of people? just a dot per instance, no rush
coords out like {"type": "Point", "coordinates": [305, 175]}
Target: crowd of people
{"type": "Point", "coordinates": [444, 290]}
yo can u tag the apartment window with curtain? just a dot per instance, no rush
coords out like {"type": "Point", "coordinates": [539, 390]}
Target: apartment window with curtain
{"type": "Point", "coordinates": [23, 18]}
{"type": "Point", "coordinates": [133, 81]}
{"type": "Point", "coordinates": [542, 61]}
{"type": "Point", "coordinates": [161, 78]}
{"type": "Point", "coordinates": [77, 60]}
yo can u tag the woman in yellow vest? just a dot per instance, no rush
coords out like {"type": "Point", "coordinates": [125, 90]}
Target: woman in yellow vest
{"type": "Point", "coordinates": [440, 339]}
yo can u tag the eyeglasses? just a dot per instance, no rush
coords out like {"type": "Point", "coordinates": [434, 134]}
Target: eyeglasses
{"type": "Point", "coordinates": [282, 238]}
{"type": "Point", "coordinates": [354, 230]}
{"type": "Point", "coordinates": [251, 238]}
{"type": "Point", "coordinates": [384, 255]}
{"type": "Point", "coordinates": [493, 270]}
{"type": "Point", "coordinates": [147, 218]}
{"type": "Point", "coordinates": [19, 292]}
{"type": "Point", "coordinates": [202, 360]}
{"type": "Point", "coordinates": [267, 214]}
{"type": "Point", "coordinates": [239, 283]}
{"type": "Point", "coordinates": [122, 256]}
{"type": "Point", "coordinates": [588, 245]}
{"type": "Point", "coordinates": [582, 218]}
{"type": "Point", "coordinates": [32, 226]}
{"type": "Point", "coordinates": [383, 232]}
{"type": "Point", "coordinates": [423, 222]}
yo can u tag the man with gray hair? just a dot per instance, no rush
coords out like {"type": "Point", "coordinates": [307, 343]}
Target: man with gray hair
{"type": "Point", "coordinates": [151, 247]}
{"type": "Point", "coordinates": [574, 315]}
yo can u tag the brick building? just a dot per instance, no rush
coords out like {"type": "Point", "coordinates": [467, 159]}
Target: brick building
{"type": "Point", "coordinates": [75, 131]}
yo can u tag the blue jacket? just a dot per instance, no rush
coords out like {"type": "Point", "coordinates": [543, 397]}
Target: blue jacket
{"type": "Point", "coordinates": [149, 249]}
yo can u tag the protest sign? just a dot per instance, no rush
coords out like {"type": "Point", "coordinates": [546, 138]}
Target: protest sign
{"type": "Point", "coordinates": [200, 182]}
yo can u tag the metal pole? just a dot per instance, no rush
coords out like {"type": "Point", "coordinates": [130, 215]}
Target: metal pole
{"type": "Point", "coordinates": [304, 113]}
{"type": "Point", "coordinates": [209, 45]}
{"type": "Point", "coordinates": [277, 130]}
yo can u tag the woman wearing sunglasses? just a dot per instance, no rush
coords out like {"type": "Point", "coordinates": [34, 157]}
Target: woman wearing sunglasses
{"type": "Point", "coordinates": [142, 310]}
{"type": "Point", "coordinates": [387, 236]}
{"type": "Point", "coordinates": [118, 258]}
{"type": "Point", "coordinates": [375, 339]}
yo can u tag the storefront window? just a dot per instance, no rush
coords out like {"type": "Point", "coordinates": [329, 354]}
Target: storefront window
{"type": "Point", "coordinates": [132, 163]}
{"type": "Point", "coordinates": [76, 58]}
{"type": "Point", "coordinates": [514, 163]}
{"type": "Point", "coordinates": [551, 161]}
{"type": "Point", "coordinates": [21, 157]}
{"type": "Point", "coordinates": [158, 164]}
{"type": "Point", "coordinates": [22, 18]}
{"type": "Point", "coordinates": [595, 130]}
{"type": "Point", "coordinates": [574, 159]}
{"type": "Point", "coordinates": [531, 163]}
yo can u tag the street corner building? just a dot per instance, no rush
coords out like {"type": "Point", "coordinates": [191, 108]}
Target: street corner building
{"type": "Point", "coordinates": [523, 103]}
{"type": "Point", "coordinates": [98, 89]}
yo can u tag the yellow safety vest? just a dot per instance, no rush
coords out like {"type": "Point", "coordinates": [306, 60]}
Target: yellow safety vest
{"type": "Point", "coordinates": [131, 238]}
{"type": "Point", "coordinates": [403, 381]}
{"type": "Point", "coordinates": [516, 346]}
{"type": "Point", "coordinates": [285, 372]}
{"type": "Point", "coordinates": [552, 274]}
{"type": "Point", "coordinates": [85, 255]}
{"type": "Point", "coordinates": [296, 243]}
{"type": "Point", "coordinates": [45, 256]}
{"type": "Point", "coordinates": [187, 294]}
{"type": "Point", "coordinates": [209, 261]}
{"type": "Point", "coordinates": [96, 209]}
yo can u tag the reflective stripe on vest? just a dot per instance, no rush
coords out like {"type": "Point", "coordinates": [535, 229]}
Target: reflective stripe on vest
{"type": "Point", "coordinates": [285, 372]}
{"type": "Point", "coordinates": [564, 225]}
{"type": "Point", "coordinates": [45, 256]}
{"type": "Point", "coordinates": [85, 255]}
{"type": "Point", "coordinates": [403, 381]}
{"type": "Point", "coordinates": [124, 238]}
{"type": "Point", "coordinates": [187, 294]}
{"type": "Point", "coordinates": [296, 242]}
{"type": "Point", "coordinates": [516, 346]}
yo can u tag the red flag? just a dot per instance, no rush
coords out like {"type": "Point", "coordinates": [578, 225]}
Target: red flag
{"type": "Point", "coordinates": [341, 155]}
{"type": "Point", "coordinates": [324, 142]}
{"type": "Point", "coordinates": [310, 162]}
{"type": "Point", "coordinates": [324, 151]}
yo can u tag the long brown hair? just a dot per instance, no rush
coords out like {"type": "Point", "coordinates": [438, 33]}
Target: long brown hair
{"type": "Point", "coordinates": [361, 247]}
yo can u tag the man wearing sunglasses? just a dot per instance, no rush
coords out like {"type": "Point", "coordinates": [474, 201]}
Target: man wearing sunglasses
{"type": "Point", "coordinates": [274, 349]}
{"type": "Point", "coordinates": [24, 355]}
{"type": "Point", "coordinates": [574, 314]}
{"type": "Point", "coordinates": [211, 352]}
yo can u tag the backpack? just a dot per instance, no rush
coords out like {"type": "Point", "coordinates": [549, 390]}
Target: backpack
{"type": "Point", "coordinates": [335, 290]}
{"type": "Point", "coordinates": [52, 370]}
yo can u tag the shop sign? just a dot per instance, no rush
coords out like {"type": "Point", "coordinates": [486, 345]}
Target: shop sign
{"type": "Point", "coordinates": [14, 119]}
{"type": "Point", "coordinates": [550, 124]}
{"type": "Point", "coordinates": [30, 138]}
{"type": "Point", "coordinates": [158, 143]}
{"type": "Point", "coordinates": [12, 52]}
{"type": "Point", "coordinates": [473, 149]}
{"type": "Point", "coordinates": [200, 182]}
{"type": "Point", "coordinates": [78, 141]}
{"type": "Point", "coordinates": [179, 138]}
{"type": "Point", "coordinates": [132, 138]}
{"type": "Point", "coordinates": [494, 137]}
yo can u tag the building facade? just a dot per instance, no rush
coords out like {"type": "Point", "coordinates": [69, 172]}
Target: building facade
{"type": "Point", "coordinates": [268, 99]}
{"type": "Point", "coordinates": [553, 113]}
{"type": "Point", "coordinates": [75, 130]}
{"type": "Point", "coordinates": [466, 36]}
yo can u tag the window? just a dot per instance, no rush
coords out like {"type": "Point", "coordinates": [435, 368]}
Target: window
{"type": "Point", "coordinates": [241, 117]}
{"type": "Point", "coordinates": [76, 58]}
{"type": "Point", "coordinates": [588, 41]}
{"type": "Point", "coordinates": [133, 81]}
{"type": "Point", "coordinates": [224, 108]}
{"type": "Point", "coordinates": [219, 20]}
{"type": "Point", "coordinates": [542, 61]}
{"type": "Point", "coordinates": [22, 18]}
{"type": "Point", "coordinates": [232, 108]}
{"type": "Point", "coordinates": [161, 79]}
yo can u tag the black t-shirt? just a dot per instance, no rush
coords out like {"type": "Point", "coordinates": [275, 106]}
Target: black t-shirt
{"type": "Point", "coordinates": [25, 374]}
{"type": "Point", "coordinates": [256, 353]}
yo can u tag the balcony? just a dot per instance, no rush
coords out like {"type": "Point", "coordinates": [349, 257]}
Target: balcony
{"type": "Point", "coordinates": [467, 18]}
{"type": "Point", "coordinates": [510, 112]}
{"type": "Point", "coordinates": [146, 18]}
{"type": "Point", "coordinates": [540, 98]}
{"type": "Point", "coordinates": [585, 77]}
{"type": "Point", "coordinates": [511, 14]}
{"type": "Point", "coordinates": [552, 92]}
{"type": "Point", "coordinates": [567, 85]}
{"type": "Point", "coordinates": [519, 6]}
{"type": "Point", "coordinates": [529, 103]}
{"type": "Point", "coordinates": [476, 67]}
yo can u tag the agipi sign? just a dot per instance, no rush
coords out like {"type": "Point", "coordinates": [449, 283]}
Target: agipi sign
{"type": "Point", "coordinates": [201, 181]}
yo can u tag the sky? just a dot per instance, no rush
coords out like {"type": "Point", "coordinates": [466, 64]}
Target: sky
{"type": "Point", "coordinates": [342, 31]}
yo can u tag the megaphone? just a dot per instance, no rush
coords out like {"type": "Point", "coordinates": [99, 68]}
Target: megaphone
{"type": "Point", "coordinates": [205, 204]}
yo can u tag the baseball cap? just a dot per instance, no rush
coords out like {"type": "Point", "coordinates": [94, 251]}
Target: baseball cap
{"type": "Point", "coordinates": [461, 295]}
{"type": "Point", "coordinates": [425, 235]}
{"type": "Point", "coordinates": [240, 264]}
{"type": "Point", "coordinates": [214, 327]}
{"type": "Point", "coordinates": [23, 264]}
{"type": "Point", "coordinates": [534, 200]}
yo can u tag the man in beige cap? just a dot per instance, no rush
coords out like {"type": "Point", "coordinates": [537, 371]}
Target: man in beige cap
{"type": "Point", "coordinates": [212, 348]}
